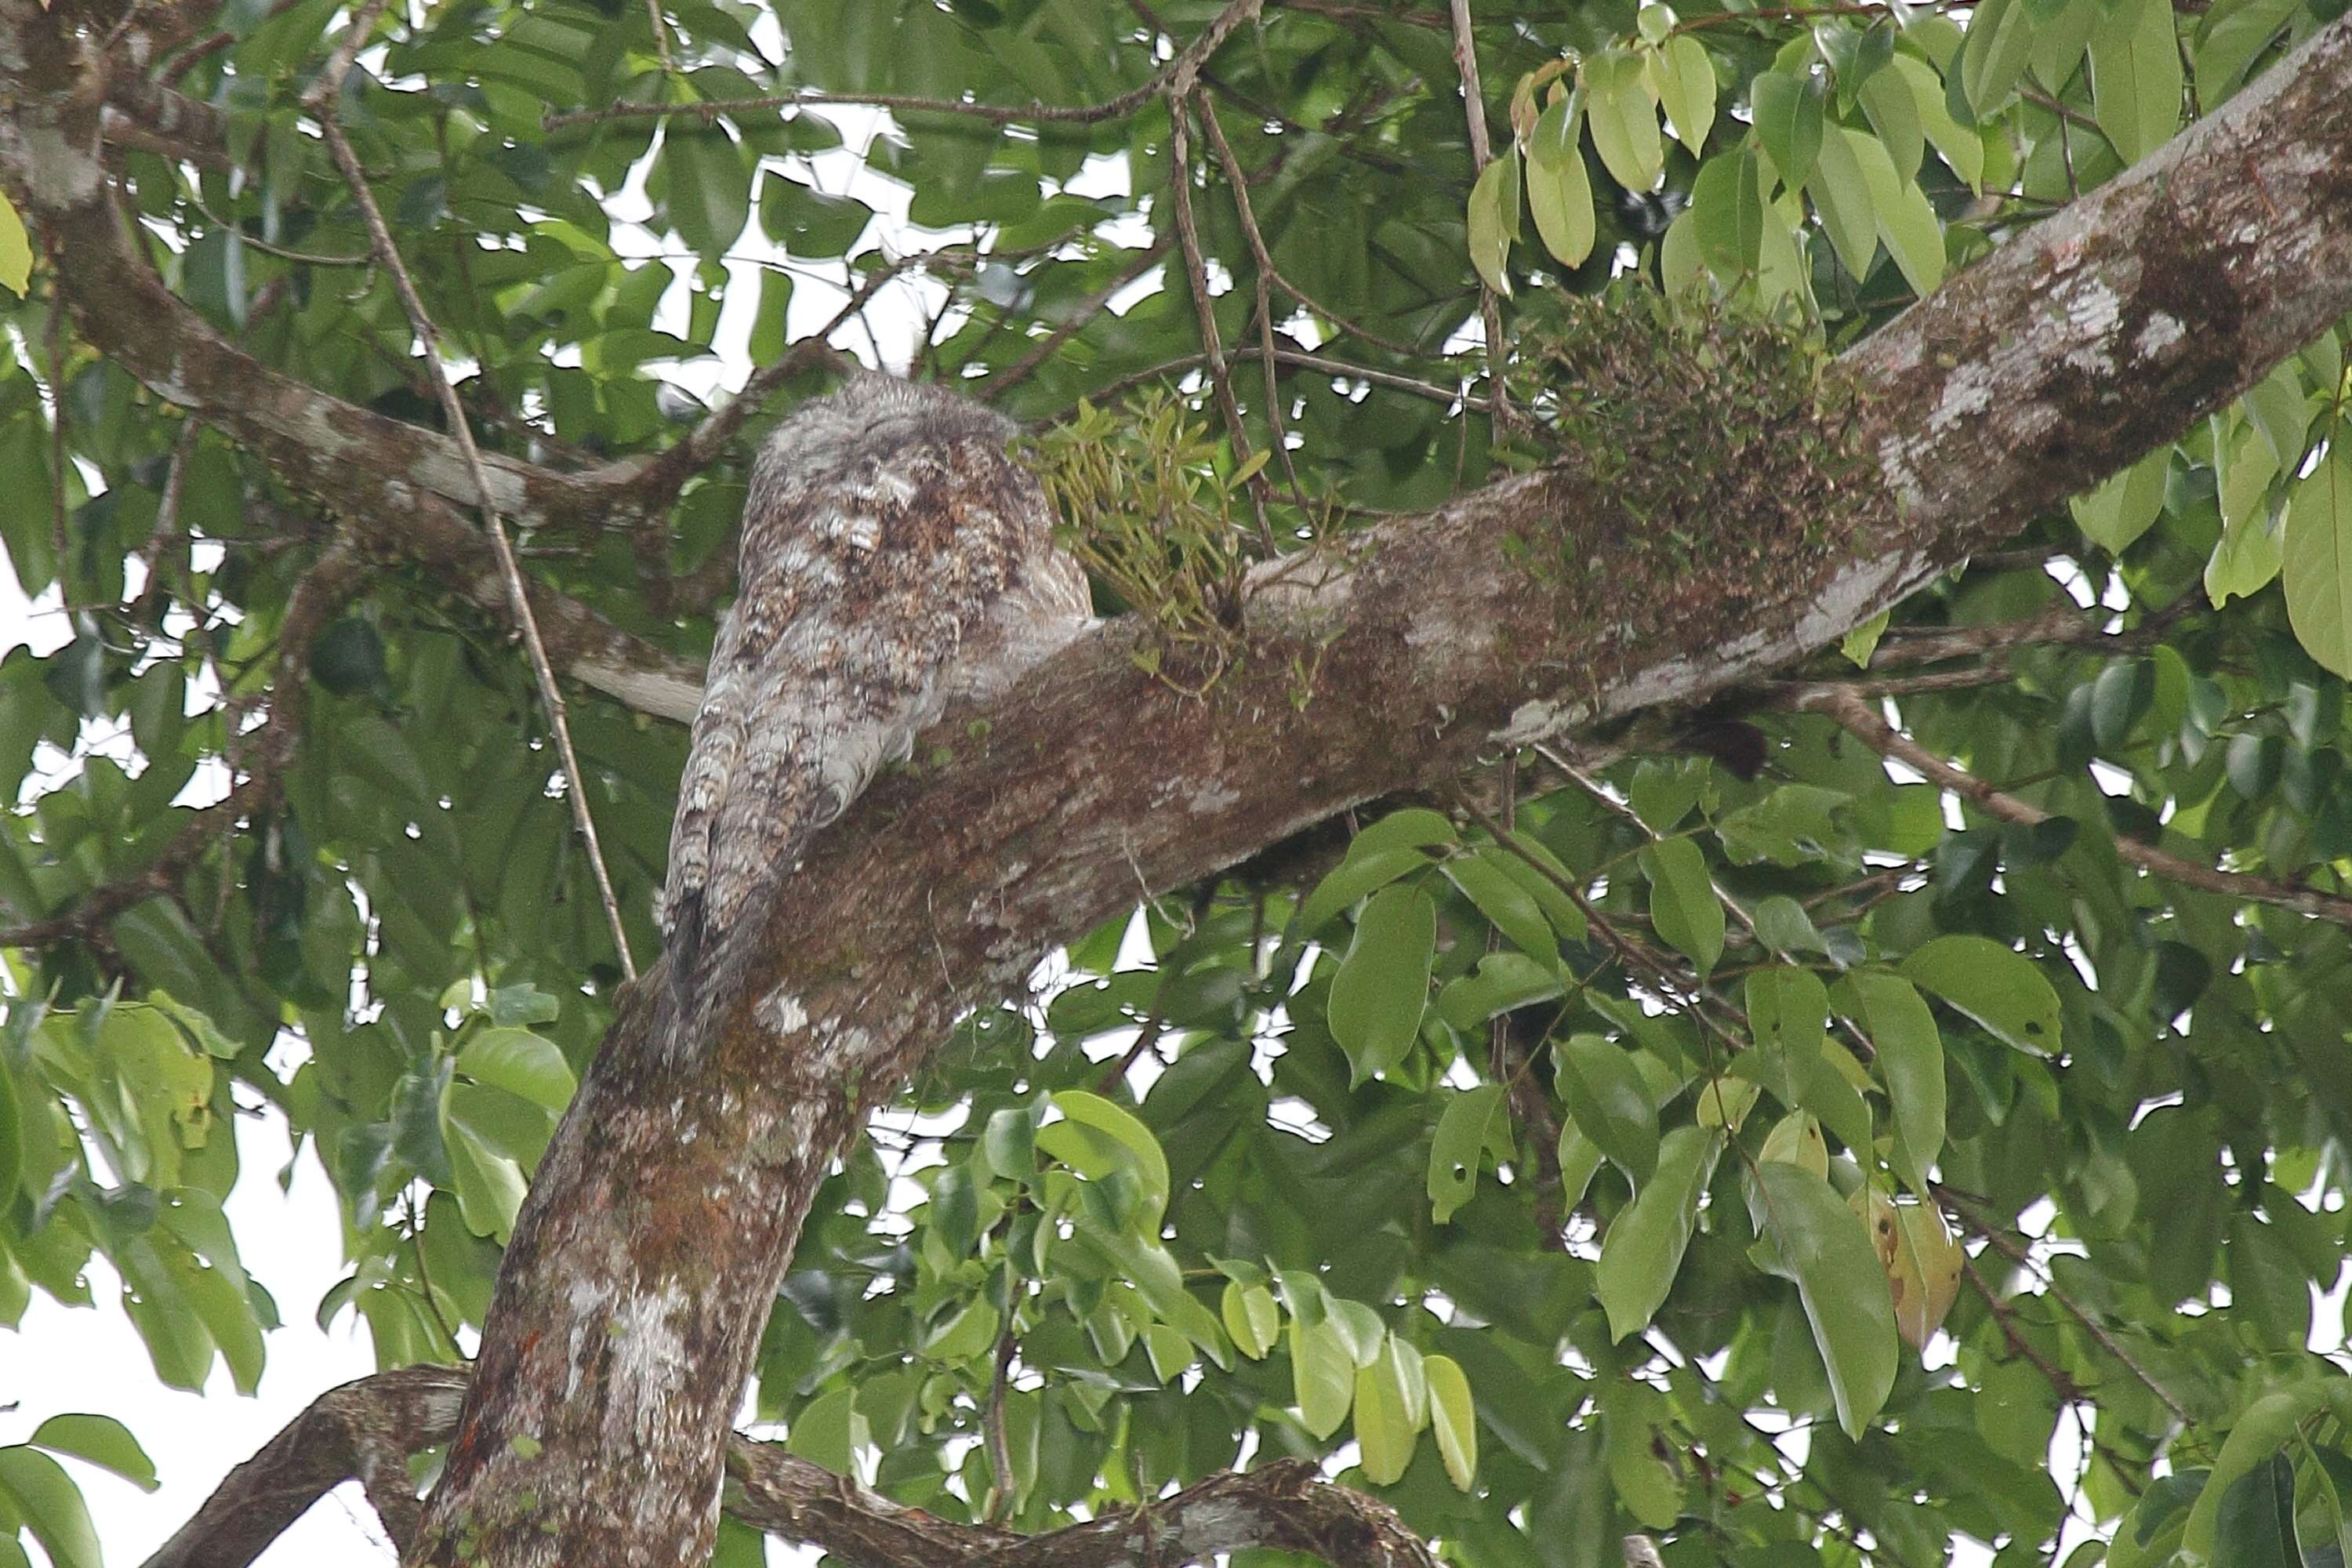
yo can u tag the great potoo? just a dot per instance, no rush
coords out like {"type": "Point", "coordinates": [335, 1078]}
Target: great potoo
{"type": "Point", "coordinates": [893, 555]}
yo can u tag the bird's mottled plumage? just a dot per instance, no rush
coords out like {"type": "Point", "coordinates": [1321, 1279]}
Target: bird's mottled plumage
{"type": "Point", "coordinates": [893, 555]}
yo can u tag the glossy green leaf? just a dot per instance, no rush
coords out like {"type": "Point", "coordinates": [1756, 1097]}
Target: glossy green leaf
{"type": "Point", "coordinates": [520, 1062]}
{"type": "Point", "coordinates": [1387, 1395]}
{"type": "Point", "coordinates": [1789, 122]}
{"type": "Point", "coordinates": [1494, 219]}
{"type": "Point", "coordinates": [2117, 514]}
{"type": "Point", "coordinates": [1683, 78]}
{"type": "Point", "coordinates": [1643, 1249]}
{"type": "Point", "coordinates": [1382, 985]}
{"type": "Point", "coordinates": [1606, 1098]}
{"type": "Point", "coordinates": [2316, 564]}
{"type": "Point", "coordinates": [1323, 1376]}
{"type": "Point", "coordinates": [2136, 77]}
{"type": "Point", "coordinates": [35, 1488]}
{"type": "Point", "coordinates": [1096, 1137]}
{"type": "Point", "coordinates": [1453, 1419]}
{"type": "Point", "coordinates": [16, 250]}
{"type": "Point", "coordinates": [102, 1441]}
{"type": "Point", "coordinates": [1474, 1120]}
{"type": "Point", "coordinates": [1251, 1318]}
{"type": "Point", "coordinates": [1623, 119]}
{"type": "Point", "coordinates": [1559, 191]}
{"type": "Point", "coordinates": [1911, 1061]}
{"type": "Point", "coordinates": [1828, 1252]}
{"type": "Point", "coordinates": [1683, 902]}
{"type": "Point", "coordinates": [1999, 988]}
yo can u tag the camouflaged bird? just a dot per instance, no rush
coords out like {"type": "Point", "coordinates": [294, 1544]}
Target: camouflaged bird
{"type": "Point", "coordinates": [894, 555]}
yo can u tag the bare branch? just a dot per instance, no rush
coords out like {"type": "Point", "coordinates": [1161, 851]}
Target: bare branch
{"type": "Point", "coordinates": [367, 1428]}
{"type": "Point", "coordinates": [1862, 720]}
{"type": "Point", "coordinates": [1473, 107]}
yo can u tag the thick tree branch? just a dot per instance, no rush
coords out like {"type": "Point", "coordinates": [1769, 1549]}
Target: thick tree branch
{"type": "Point", "coordinates": [365, 1430]}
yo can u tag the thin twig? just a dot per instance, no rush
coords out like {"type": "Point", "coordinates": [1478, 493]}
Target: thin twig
{"type": "Point", "coordinates": [1000, 1447]}
{"type": "Point", "coordinates": [1262, 285]}
{"type": "Point", "coordinates": [167, 543]}
{"type": "Point", "coordinates": [1855, 713]}
{"type": "Point", "coordinates": [58, 539]}
{"type": "Point", "coordinates": [1473, 107]}
{"type": "Point", "coordinates": [1186, 64]}
{"type": "Point", "coordinates": [661, 37]}
{"type": "Point", "coordinates": [1093, 305]}
{"type": "Point", "coordinates": [2011, 1249]}
{"type": "Point", "coordinates": [320, 102]}
{"type": "Point", "coordinates": [1196, 273]}
{"type": "Point", "coordinates": [1299, 359]}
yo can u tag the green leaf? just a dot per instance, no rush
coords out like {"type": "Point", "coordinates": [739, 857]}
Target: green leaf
{"type": "Point", "coordinates": [1483, 877]}
{"type": "Point", "coordinates": [1494, 219]}
{"type": "Point", "coordinates": [2260, 1432]}
{"type": "Point", "coordinates": [1962, 148]}
{"type": "Point", "coordinates": [1464, 1132]}
{"type": "Point", "coordinates": [2254, 1526]}
{"type": "Point", "coordinates": [709, 196]}
{"type": "Point", "coordinates": [1323, 1375]}
{"type": "Point", "coordinates": [1683, 77]}
{"type": "Point", "coordinates": [2251, 549]}
{"type": "Point", "coordinates": [1371, 863]}
{"type": "Point", "coordinates": [1898, 207]}
{"type": "Point", "coordinates": [1789, 122]}
{"type": "Point", "coordinates": [828, 1431]}
{"type": "Point", "coordinates": [1169, 1352]}
{"type": "Point", "coordinates": [12, 1139]}
{"type": "Point", "coordinates": [1624, 121]}
{"type": "Point", "coordinates": [1859, 644]}
{"type": "Point", "coordinates": [2317, 561]}
{"type": "Point", "coordinates": [1009, 1141]}
{"type": "Point", "coordinates": [1559, 191]}
{"type": "Point", "coordinates": [1841, 195]}
{"type": "Point", "coordinates": [102, 1440]}
{"type": "Point", "coordinates": [1608, 1101]}
{"type": "Point", "coordinates": [524, 1063]}
{"type": "Point", "coordinates": [1999, 42]}
{"type": "Point", "coordinates": [1910, 1048]}
{"type": "Point", "coordinates": [1684, 908]}
{"type": "Point", "coordinates": [968, 1335]}
{"type": "Point", "coordinates": [1727, 214]}
{"type": "Point", "coordinates": [1098, 1136]}
{"type": "Point", "coordinates": [1643, 1249]}
{"type": "Point", "coordinates": [35, 1488]}
{"type": "Point", "coordinates": [16, 250]}
{"type": "Point", "coordinates": [1827, 1250]}
{"type": "Point", "coordinates": [2000, 989]}
{"type": "Point", "coordinates": [1251, 1318]}
{"type": "Point", "coordinates": [2125, 506]}
{"type": "Point", "coordinates": [1382, 985]}
{"type": "Point", "coordinates": [1387, 1394]}
{"type": "Point", "coordinates": [1454, 1419]}
{"type": "Point", "coordinates": [1503, 981]}
{"type": "Point", "coordinates": [2135, 75]}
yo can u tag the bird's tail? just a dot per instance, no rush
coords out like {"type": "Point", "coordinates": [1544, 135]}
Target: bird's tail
{"type": "Point", "coordinates": [688, 955]}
